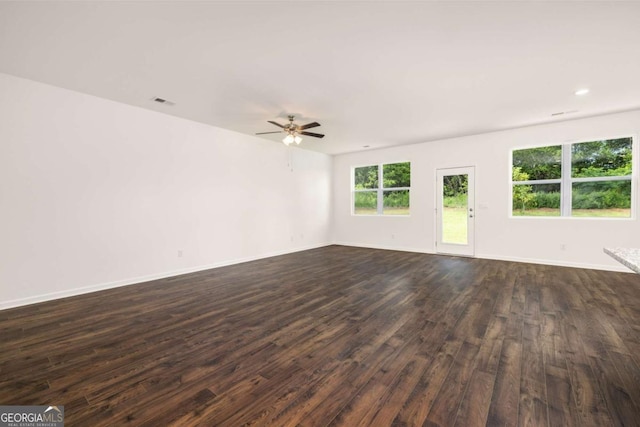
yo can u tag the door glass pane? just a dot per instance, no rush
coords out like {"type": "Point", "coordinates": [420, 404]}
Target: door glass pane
{"type": "Point", "coordinates": [454, 209]}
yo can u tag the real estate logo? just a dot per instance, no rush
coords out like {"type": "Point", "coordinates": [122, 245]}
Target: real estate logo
{"type": "Point", "coordinates": [32, 416]}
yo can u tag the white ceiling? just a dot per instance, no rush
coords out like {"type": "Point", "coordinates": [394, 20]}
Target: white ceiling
{"type": "Point", "coordinates": [375, 73]}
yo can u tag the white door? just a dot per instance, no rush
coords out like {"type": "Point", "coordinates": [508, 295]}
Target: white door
{"type": "Point", "coordinates": [455, 211]}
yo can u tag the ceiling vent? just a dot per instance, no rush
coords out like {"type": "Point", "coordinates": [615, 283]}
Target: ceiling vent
{"type": "Point", "coordinates": [162, 101]}
{"type": "Point", "coordinates": [563, 113]}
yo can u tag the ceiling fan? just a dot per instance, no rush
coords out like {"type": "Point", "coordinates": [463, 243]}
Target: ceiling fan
{"type": "Point", "coordinates": [294, 131]}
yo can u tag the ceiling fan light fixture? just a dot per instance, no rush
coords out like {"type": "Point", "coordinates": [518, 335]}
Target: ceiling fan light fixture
{"type": "Point", "coordinates": [293, 131]}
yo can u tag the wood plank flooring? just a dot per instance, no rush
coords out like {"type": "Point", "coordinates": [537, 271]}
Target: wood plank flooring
{"type": "Point", "coordinates": [337, 336]}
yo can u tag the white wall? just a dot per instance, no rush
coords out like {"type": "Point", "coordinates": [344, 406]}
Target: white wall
{"type": "Point", "coordinates": [96, 194]}
{"type": "Point", "coordinates": [497, 236]}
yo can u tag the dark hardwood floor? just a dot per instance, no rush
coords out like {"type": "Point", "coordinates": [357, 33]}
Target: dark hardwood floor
{"type": "Point", "coordinates": [337, 336]}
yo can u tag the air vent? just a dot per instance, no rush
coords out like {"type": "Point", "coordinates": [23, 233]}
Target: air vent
{"type": "Point", "coordinates": [561, 113]}
{"type": "Point", "coordinates": [162, 101]}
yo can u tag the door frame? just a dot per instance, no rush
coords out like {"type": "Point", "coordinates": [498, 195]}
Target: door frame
{"type": "Point", "coordinates": [456, 248]}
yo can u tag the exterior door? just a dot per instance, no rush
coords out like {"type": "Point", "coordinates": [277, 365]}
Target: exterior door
{"type": "Point", "coordinates": [455, 211]}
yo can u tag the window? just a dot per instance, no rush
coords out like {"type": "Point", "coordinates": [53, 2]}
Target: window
{"type": "Point", "coordinates": [390, 198]}
{"type": "Point", "coordinates": [585, 179]}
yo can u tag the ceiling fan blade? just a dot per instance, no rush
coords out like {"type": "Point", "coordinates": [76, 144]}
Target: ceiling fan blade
{"type": "Point", "coordinates": [316, 135]}
{"type": "Point", "coordinates": [264, 133]}
{"type": "Point", "coordinates": [274, 123]}
{"type": "Point", "coordinates": [309, 126]}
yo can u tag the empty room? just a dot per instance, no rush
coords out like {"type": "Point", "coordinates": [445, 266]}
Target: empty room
{"type": "Point", "coordinates": [314, 213]}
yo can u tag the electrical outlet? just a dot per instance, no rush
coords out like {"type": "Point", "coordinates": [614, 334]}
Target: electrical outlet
{"type": "Point", "coordinates": [180, 253]}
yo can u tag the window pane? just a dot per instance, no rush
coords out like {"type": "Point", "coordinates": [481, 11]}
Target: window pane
{"type": "Point", "coordinates": [396, 175]}
{"type": "Point", "coordinates": [608, 199]}
{"type": "Point", "coordinates": [365, 203]}
{"type": "Point", "coordinates": [601, 158]}
{"type": "Point", "coordinates": [538, 163]}
{"type": "Point", "coordinates": [536, 200]}
{"type": "Point", "coordinates": [366, 177]}
{"type": "Point", "coordinates": [396, 202]}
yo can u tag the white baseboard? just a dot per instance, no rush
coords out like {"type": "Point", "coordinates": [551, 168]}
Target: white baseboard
{"type": "Point", "coordinates": [605, 267]}
{"type": "Point", "coordinates": [132, 281]}
{"type": "Point", "coordinates": [385, 247]}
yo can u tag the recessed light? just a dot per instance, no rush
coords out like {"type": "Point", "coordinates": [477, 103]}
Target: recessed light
{"type": "Point", "coordinates": [366, 146]}
{"type": "Point", "coordinates": [583, 91]}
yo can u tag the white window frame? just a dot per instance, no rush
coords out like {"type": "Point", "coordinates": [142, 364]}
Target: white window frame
{"type": "Point", "coordinates": [380, 190]}
{"type": "Point", "coordinates": [566, 181]}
